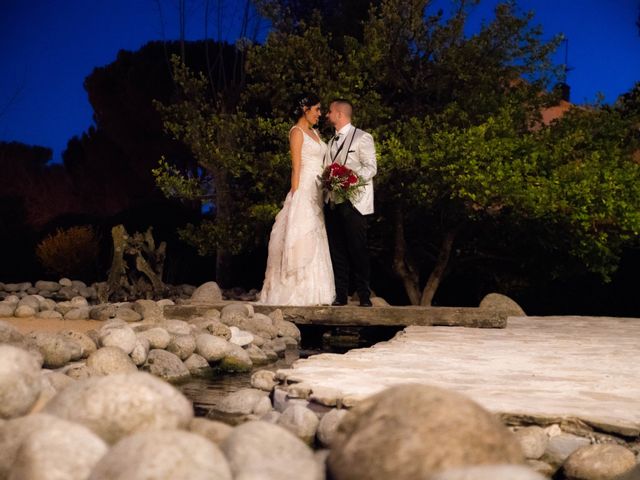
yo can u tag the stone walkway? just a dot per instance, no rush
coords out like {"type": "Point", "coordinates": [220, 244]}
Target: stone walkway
{"type": "Point", "coordinates": [585, 368]}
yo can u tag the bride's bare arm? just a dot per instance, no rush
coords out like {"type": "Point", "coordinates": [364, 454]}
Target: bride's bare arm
{"type": "Point", "coordinates": [295, 147]}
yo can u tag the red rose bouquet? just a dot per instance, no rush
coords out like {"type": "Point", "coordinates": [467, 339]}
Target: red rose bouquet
{"type": "Point", "coordinates": [341, 183]}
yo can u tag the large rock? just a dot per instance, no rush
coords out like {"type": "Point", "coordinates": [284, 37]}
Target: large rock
{"type": "Point", "coordinates": [140, 352]}
{"type": "Point", "coordinates": [30, 301]}
{"type": "Point", "coordinates": [128, 314]}
{"type": "Point", "coordinates": [20, 382]}
{"type": "Point", "coordinates": [45, 285]}
{"type": "Point", "coordinates": [24, 311]}
{"type": "Point", "coordinates": [63, 450]}
{"type": "Point", "coordinates": [56, 350]}
{"type": "Point", "coordinates": [236, 360]}
{"type": "Point", "coordinates": [261, 325]}
{"type": "Point", "coordinates": [207, 293]}
{"type": "Point", "coordinates": [300, 421]}
{"type": "Point", "coordinates": [244, 402]}
{"type": "Point", "coordinates": [212, 430]}
{"type": "Point", "coordinates": [240, 337]}
{"type": "Point", "coordinates": [120, 405]}
{"type": "Point", "coordinates": [489, 472]}
{"type": "Point", "coordinates": [561, 446]}
{"type": "Point", "coordinates": [14, 432]}
{"type": "Point", "coordinates": [110, 360]}
{"type": "Point", "coordinates": [533, 441]}
{"type": "Point", "coordinates": [502, 303]}
{"type": "Point", "coordinates": [166, 455]}
{"type": "Point", "coordinates": [411, 431]}
{"type": "Point", "coordinates": [182, 345]}
{"type": "Point", "coordinates": [122, 337]}
{"type": "Point", "coordinates": [176, 327]}
{"type": "Point", "coordinates": [599, 462]}
{"type": "Point", "coordinates": [7, 309]}
{"type": "Point", "coordinates": [148, 310]}
{"type": "Point", "coordinates": [212, 348]}
{"type": "Point", "coordinates": [264, 380]}
{"type": "Point", "coordinates": [86, 343]}
{"type": "Point", "coordinates": [158, 337]}
{"type": "Point", "coordinates": [261, 450]}
{"type": "Point", "coordinates": [197, 365]}
{"type": "Point", "coordinates": [166, 365]}
{"type": "Point", "coordinates": [9, 333]}
{"type": "Point", "coordinates": [79, 313]}
{"type": "Point", "coordinates": [329, 425]}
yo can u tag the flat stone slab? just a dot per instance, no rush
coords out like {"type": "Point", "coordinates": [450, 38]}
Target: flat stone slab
{"type": "Point", "coordinates": [362, 317]}
{"type": "Point", "coordinates": [576, 369]}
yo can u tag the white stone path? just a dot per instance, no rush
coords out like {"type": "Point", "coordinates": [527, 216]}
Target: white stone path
{"type": "Point", "coordinates": [569, 367]}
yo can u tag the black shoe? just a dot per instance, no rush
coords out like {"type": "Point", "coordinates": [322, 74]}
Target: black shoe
{"type": "Point", "coordinates": [339, 303]}
{"type": "Point", "coordinates": [365, 302]}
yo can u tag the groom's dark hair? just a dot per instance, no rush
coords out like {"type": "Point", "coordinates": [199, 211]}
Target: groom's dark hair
{"type": "Point", "coordinates": [345, 103]}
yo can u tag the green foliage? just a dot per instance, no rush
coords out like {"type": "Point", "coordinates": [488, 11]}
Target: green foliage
{"type": "Point", "coordinates": [461, 146]}
{"type": "Point", "coordinates": [70, 253]}
{"type": "Point", "coordinates": [174, 184]}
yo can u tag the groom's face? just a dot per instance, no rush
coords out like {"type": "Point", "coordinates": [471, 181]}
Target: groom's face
{"type": "Point", "coordinates": [333, 115]}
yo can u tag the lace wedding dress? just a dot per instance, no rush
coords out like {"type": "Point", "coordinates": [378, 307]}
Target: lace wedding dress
{"type": "Point", "coordinates": [299, 268]}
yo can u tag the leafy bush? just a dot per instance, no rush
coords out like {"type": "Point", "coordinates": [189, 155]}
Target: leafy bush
{"type": "Point", "coordinates": [70, 252]}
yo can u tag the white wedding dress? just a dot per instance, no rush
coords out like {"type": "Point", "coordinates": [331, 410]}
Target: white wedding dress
{"type": "Point", "coordinates": [299, 270]}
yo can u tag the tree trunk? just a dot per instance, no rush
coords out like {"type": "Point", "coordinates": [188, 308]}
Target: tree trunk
{"type": "Point", "coordinates": [401, 265]}
{"type": "Point", "coordinates": [223, 216]}
{"type": "Point", "coordinates": [438, 270]}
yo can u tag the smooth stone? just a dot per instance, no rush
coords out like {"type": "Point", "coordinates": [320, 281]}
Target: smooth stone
{"type": "Point", "coordinates": [164, 455]}
{"type": "Point", "coordinates": [122, 337]}
{"type": "Point", "coordinates": [212, 430]}
{"type": "Point", "coordinates": [46, 285]}
{"type": "Point", "coordinates": [49, 314]}
{"type": "Point", "coordinates": [212, 348]}
{"type": "Point", "coordinates": [300, 421]}
{"type": "Point", "coordinates": [489, 472]}
{"type": "Point", "coordinates": [236, 360]}
{"type": "Point", "coordinates": [242, 402]}
{"type": "Point", "coordinates": [328, 426]}
{"type": "Point", "coordinates": [7, 309]}
{"type": "Point", "coordinates": [24, 311]}
{"type": "Point", "coordinates": [264, 380]}
{"type": "Point", "coordinates": [437, 429]}
{"type": "Point", "coordinates": [533, 441]}
{"type": "Point", "coordinates": [502, 303]}
{"type": "Point", "coordinates": [9, 333]}
{"type": "Point", "coordinates": [140, 352]}
{"type": "Point", "coordinates": [20, 382]}
{"type": "Point", "coordinates": [80, 313]}
{"type": "Point", "coordinates": [240, 337]}
{"type": "Point", "coordinates": [56, 350]}
{"type": "Point", "coordinates": [262, 450]}
{"type": "Point", "coordinates": [197, 365]}
{"type": "Point", "coordinates": [110, 360]}
{"type": "Point", "coordinates": [64, 450]}
{"type": "Point", "coordinates": [207, 293]}
{"type": "Point", "coordinates": [119, 405]}
{"type": "Point", "coordinates": [599, 462]}
{"type": "Point", "coordinates": [158, 337]}
{"type": "Point", "coordinates": [561, 446]}
{"type": "Point", "coordinates": [182, 345]}
{"type": "Point", "coordinates": [166, 365]}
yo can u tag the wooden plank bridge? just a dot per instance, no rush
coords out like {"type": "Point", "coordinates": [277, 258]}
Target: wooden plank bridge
{"type": "Point", "coordinates": [363, 317]}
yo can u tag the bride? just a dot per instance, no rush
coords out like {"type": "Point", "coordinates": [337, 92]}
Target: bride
{"type": "Point", "coordinates": [299, 268]}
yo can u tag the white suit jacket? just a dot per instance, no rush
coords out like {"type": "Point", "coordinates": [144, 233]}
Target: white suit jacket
{"type": "Point", "coordinates": [358, 153]}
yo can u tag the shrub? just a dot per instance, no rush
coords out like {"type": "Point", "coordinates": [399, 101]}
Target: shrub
{"type": "Point", "coordinates": [71, 252]}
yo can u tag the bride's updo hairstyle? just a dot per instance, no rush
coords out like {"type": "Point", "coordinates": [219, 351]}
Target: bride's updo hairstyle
{"type": "Point", "coordinates": [303, 102]}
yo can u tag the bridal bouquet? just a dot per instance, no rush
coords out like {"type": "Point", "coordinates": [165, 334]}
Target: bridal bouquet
{"type": "Point", "coordinates": [341, 183]}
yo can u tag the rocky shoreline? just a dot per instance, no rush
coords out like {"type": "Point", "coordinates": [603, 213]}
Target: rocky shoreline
{"type": "Point", "coordinates": [100, 404]}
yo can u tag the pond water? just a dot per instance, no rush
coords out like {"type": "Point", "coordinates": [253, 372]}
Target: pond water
{"type": "Point", "coordinates": [206, 392]}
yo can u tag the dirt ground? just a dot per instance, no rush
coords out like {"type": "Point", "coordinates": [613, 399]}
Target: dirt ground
{"type": "Point", "coordinates": [32, 324]}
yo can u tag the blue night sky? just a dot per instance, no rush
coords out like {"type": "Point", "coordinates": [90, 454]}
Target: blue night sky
{"type": "Point", "coordinates": [50, 46]}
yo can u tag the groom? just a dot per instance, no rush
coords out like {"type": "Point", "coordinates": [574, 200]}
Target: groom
{"type": "Point", "coordinates": [347, 222]}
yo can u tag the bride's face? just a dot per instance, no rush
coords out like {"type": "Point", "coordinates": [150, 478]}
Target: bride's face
{"type": "Point", "coordinates": [312, 114]}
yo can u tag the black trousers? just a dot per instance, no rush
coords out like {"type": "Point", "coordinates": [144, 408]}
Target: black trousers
{"type": "Point", "coordinates": [347, 232]}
